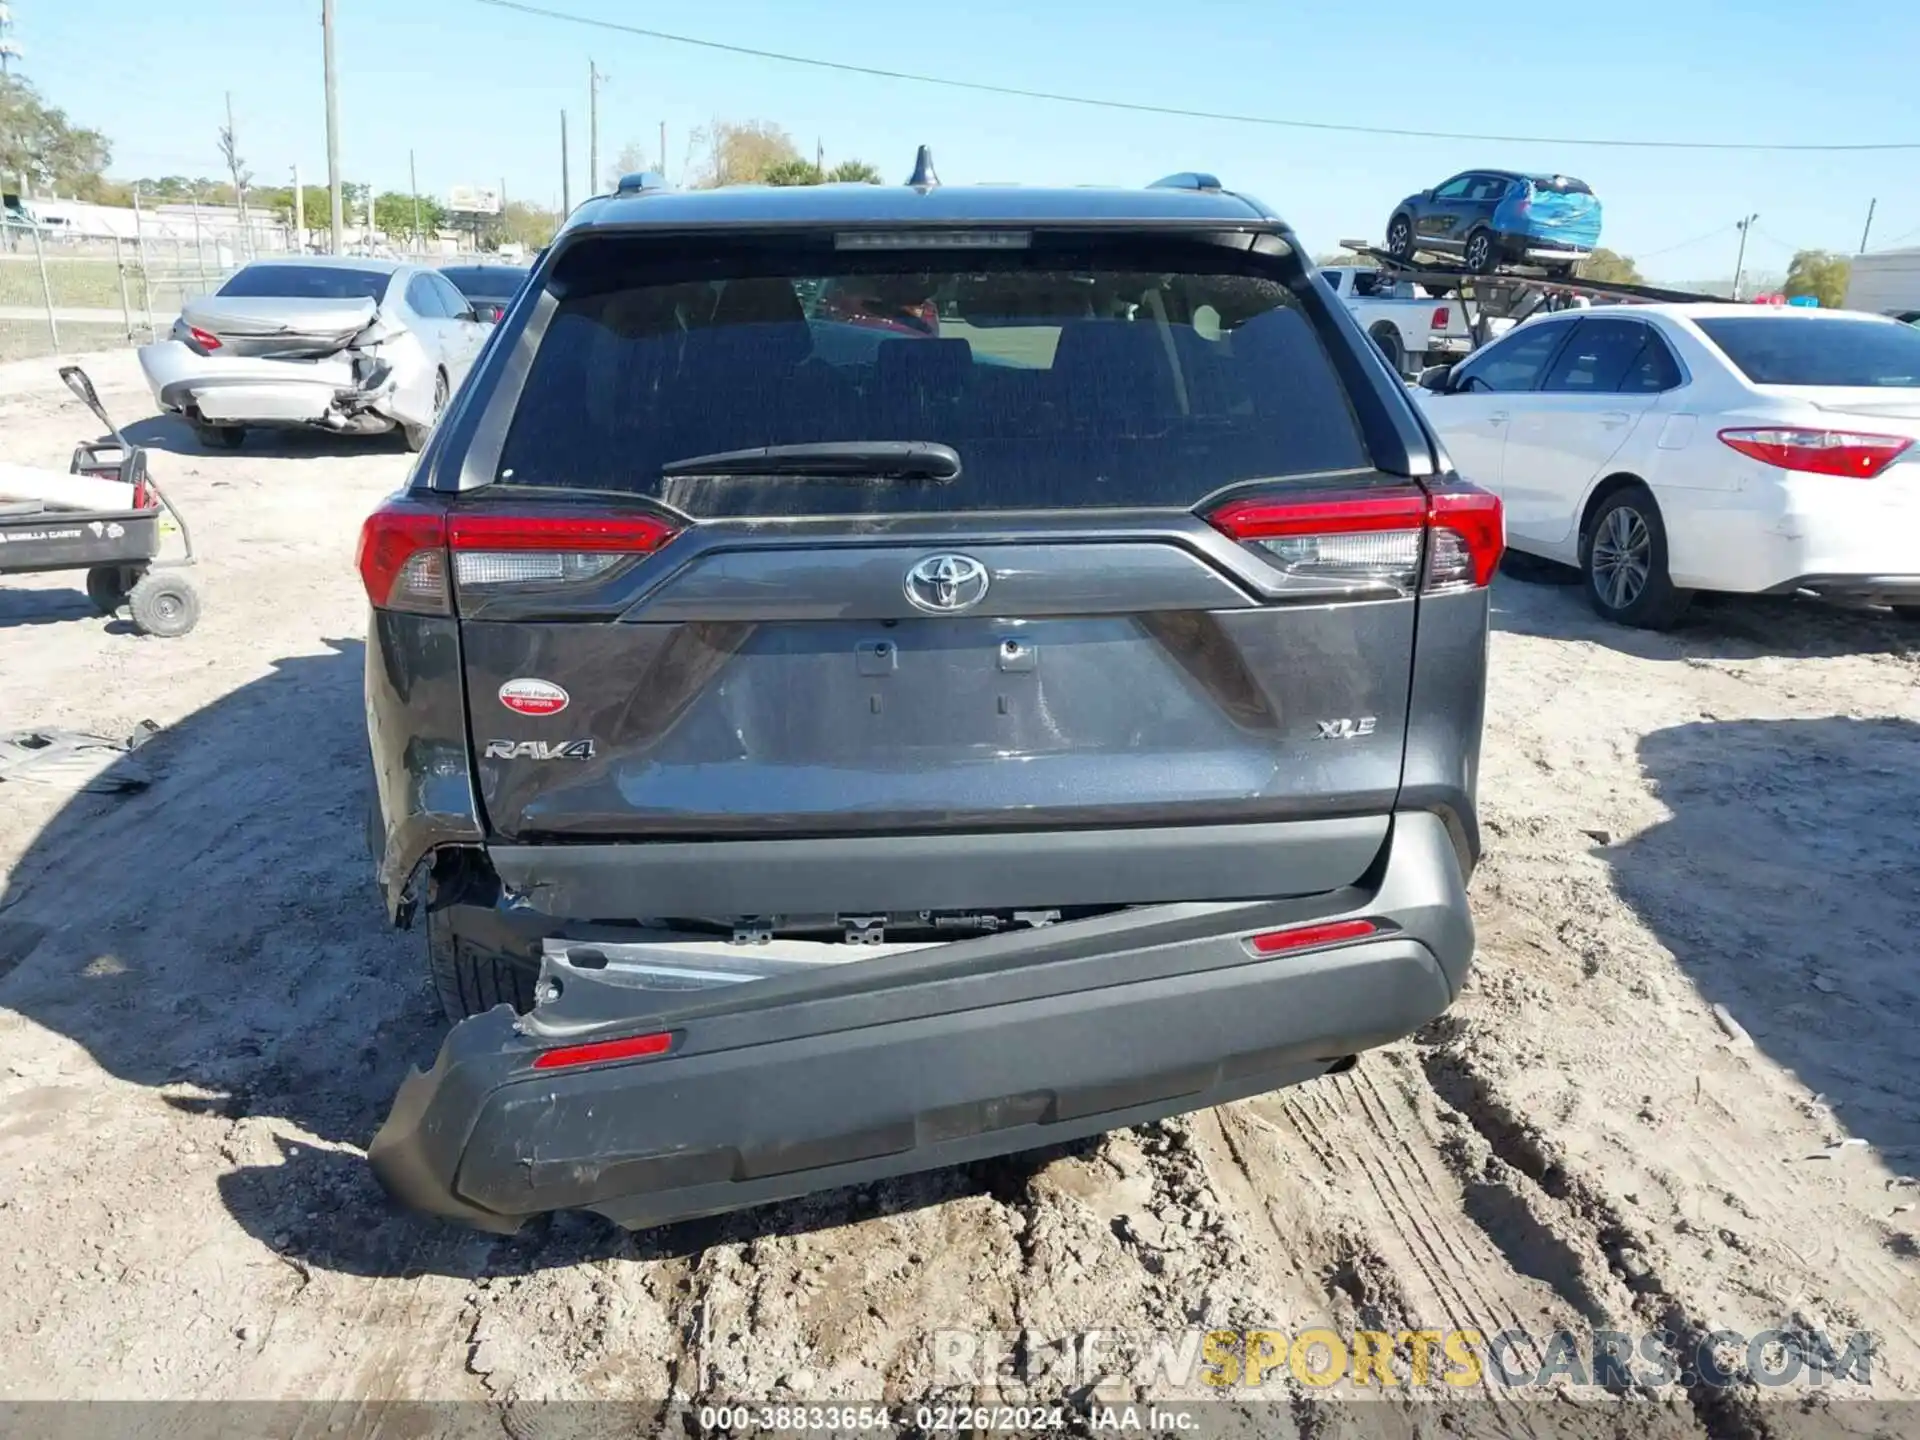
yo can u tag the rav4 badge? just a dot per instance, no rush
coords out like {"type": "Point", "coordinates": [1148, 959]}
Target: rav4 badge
{"type": "Point", "coordinates": [533, 697]}
{"type": "Point", "coordinates": [539, 749]}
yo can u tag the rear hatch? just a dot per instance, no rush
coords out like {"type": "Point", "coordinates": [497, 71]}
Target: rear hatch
{"type": "Point", "coordinates": [1555, 208]}
{"type": "Point", "coordinates": [1102, 547]}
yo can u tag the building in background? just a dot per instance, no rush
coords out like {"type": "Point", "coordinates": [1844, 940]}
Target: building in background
{"type": "Point", "coordinates": [1886, 282]}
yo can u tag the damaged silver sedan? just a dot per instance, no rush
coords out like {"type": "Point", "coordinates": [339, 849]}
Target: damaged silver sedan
{"type": "Point", "coordinates": [353, 346]}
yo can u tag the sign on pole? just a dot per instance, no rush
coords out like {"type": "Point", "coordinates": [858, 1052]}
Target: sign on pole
{"type": "Point", "coordinates": [473, 200]}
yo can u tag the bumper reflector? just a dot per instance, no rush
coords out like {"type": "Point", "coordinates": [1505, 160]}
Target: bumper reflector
{"type": "Point", "coordinates": [1305, 937]}
{"type": "Point", "coordinates": [600, 1051]}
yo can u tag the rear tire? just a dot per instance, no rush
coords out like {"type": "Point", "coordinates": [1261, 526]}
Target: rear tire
{"type": "Point", "coordinates": [416, 436]}
{"type": "Point", "coordinates": [1623, 560]}
{"type": "Point", "coordinates": [109, 585]}
{"type": "Point", "coordinates": [219, 437]}
{"type": "Point", "coordinates": [1387, 340]}
{"type": "Point", "coordinates": [469, 980]}
{"type": "Point", "coordinates": [163, 605]}
{"type": "Point", "coordinates": [1400, 237]}
{"type": "Point", "coordinates": [1481, 254]}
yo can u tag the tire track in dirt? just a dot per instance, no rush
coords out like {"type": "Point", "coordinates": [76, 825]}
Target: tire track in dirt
{"type": "Point", "coordinates": [1725, 1413]}
{"type": "Point", "coordinates": [1397, 1241]}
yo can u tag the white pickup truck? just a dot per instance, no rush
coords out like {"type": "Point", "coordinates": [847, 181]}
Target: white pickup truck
{"type": "Point", "coordinates": [1411, 330]}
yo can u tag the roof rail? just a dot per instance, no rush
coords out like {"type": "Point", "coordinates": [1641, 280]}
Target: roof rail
{"type": "Point", "coordinates": [641, 181]}
{"type": "Point", "coordinates": [1187, 180]}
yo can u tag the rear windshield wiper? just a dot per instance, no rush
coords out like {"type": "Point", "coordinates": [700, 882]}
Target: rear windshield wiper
{"type": "Point", "coordinates": [858, 459]}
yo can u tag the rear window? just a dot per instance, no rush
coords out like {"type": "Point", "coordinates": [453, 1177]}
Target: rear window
{"type": "Point", "coordinates": [1559, 184]}
{"type": "Point", "coordinates": [486, 282]}
{"type": "Point", "coordinates": [306, 282]}
{"type": "Point", "coordinates": [1063, 378]}
{"type": "Point", "coordinates": [1802, 350]}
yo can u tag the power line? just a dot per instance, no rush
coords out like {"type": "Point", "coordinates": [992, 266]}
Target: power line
{"type": "Point", "coordinates": [1142, 108]}
{"type": "Point", "coordinates": [1776, 240]}
{"type": "Point", "coordinates": [1712, 234]}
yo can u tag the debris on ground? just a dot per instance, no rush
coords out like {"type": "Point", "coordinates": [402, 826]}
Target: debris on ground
{"type": "Point", "coordinates": [73, 760]}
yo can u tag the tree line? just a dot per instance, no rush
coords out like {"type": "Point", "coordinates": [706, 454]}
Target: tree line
{"type": "Point", "coordinates": [744, 152]}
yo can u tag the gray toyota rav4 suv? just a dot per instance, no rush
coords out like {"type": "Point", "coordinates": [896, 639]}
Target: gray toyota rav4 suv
{"type": "Point", "coordinates": [865, 678]}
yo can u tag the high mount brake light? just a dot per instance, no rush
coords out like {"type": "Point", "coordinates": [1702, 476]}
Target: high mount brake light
{"type": "Point", "coordinates": [411, 553]}
{"type": "Point", "coordinates": [1376, 536]}
{"type": "Point", "coordinates": [1819, 452]}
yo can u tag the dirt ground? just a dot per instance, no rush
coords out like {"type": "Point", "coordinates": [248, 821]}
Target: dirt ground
{"type": "Point", "coordinates": [202, 1019]}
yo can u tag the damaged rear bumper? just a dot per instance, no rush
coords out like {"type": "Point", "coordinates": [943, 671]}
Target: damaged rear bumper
{"type": "Point", "coordinates": [345, 392]}
{"type": "Point", "coordinates": [858, 1071]}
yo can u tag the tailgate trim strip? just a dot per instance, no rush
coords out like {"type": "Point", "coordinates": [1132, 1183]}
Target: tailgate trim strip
{"type": "Point", "coordinates": [1143, 866]}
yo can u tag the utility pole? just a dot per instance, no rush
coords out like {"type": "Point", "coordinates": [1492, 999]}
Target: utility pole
{"type": "Point", "coordinates": [594, 77]}
{"type": "Point", "coordinates": [566, 179]}
{"type": "Point", "coordinates": [1740, 263]}
{"type": "Point", "coordinates": [239, 185]}
{"type": "Point", "coordinates": [663, 150]}
{"type": "Point", "coordinates": [336, 219]}
{"type": "Point", "coordinates": [819, 159]}
{"type": "Point", "coordinates": [413, 185]}
{"type": "Point", "coordinates": [299, 213]}
{"type": "Point", "coordinates": [1867, 229]}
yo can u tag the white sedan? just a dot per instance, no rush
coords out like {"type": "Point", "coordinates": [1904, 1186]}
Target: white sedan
{"type": "Point", "coordinates": [1665, 449]}
{"type": "Point", "coordinates": [352, 346]}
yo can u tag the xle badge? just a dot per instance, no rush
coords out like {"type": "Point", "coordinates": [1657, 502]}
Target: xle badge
{"type": "Point", "coordinates": [540, 750]}
{"type": "Point", "coordinates": [533, 697]}
{"type": "Point", "coordinates": [1344, 729]}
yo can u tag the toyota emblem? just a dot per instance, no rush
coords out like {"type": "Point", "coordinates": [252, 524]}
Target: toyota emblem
{"type": "Point", "coordinates": [947, 584]}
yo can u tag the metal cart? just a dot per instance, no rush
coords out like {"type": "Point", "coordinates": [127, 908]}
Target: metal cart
{"type": "Point", "coordinates": [119, 549]}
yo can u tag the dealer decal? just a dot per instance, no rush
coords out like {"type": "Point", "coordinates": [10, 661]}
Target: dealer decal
{"type": "Point", "coordinates": [533, 697]}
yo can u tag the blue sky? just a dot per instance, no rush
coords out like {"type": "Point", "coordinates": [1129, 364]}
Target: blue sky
{"type": "Point", "coordinates": [476, 93]}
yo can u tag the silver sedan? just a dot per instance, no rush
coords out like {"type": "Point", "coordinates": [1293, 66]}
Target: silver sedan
{"type": "Point", "coordinates": [353, 346]}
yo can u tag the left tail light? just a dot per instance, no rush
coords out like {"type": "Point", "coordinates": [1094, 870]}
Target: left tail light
{"type": "Point", "coordinates": [403, 558]}
{"type": "Point", "coordinates": [1441, 315]}
{"type": "Point", "coordinates": [1400, 536]}
{"type": "Point", "coordinates": [205, 339]}
{"type": "Point", "coordinates": [413, 555]}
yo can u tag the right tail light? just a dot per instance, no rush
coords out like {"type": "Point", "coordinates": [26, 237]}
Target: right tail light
{"type": "Point", "coordinates": [1819, 452]}
{"type": "Point", "coordinates": [1402, 535]}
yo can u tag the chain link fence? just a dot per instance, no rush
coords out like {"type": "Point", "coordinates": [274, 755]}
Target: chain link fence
{"type": "Point", "coordinates": [64, 295]}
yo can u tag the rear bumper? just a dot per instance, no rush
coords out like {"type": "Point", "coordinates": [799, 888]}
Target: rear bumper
{"type": "Point", "coordinates": [954, 1053]}
{"type": "Point", "coordinates": [1767, 531]}
{"type": "Point", "coordinates": [323, 393]}
{"type": "Point", "coordinates": [1550, 251]}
